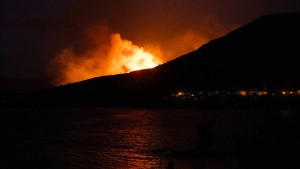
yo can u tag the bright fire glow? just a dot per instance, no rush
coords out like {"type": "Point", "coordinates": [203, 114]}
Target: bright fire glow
{"type": "Point", "coordinates": [121, 57]}
{"type": "Point", "coordinates": [128, 57]}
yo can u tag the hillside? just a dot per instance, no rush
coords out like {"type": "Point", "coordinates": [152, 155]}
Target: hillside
{"type": "Point", "coordinates": [263, 53]}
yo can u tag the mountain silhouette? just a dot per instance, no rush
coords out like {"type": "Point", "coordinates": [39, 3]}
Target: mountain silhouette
{"type": "Point", "coordinates": [263, 53]}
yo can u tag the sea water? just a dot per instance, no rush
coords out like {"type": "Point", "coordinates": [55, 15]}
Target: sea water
{"type": "Point", "coordinates": [130, 138]}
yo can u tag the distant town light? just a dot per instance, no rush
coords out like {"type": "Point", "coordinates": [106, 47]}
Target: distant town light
{"type": "Point", "coordinates": [243, 92]}
{"type": "Point", "coordinates": [205, 94]}
{"type": "Point", "coordinates": [263, 92]}
{"type": "Point", "coordinates": [179, 94]}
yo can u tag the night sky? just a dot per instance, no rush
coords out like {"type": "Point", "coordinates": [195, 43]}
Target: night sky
{"type": "Point", "coordinates": [33, 32]}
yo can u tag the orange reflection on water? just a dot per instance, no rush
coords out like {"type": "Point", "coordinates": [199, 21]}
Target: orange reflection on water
{"type": "Point", "coordinates": [138, 140]}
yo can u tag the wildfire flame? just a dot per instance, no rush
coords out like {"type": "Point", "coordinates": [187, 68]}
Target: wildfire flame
{"type": "Point", "coordinates": [122, 56]}
{"type": "Point", "coordinates": [131, 57]}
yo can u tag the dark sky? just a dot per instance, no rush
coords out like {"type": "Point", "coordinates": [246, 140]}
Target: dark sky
{"type": "Point", "coordinates": [35, 31]}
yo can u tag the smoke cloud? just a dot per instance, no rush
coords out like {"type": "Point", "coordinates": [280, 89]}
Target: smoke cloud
{"type": "Point", "coordinates": [41, 35]}
{"type": "Point", "coordinates": [109, 54]}
{"type": "Point", "coordinates": [98, 52]}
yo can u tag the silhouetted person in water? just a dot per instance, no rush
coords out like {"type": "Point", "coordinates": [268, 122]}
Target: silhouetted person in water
{"type": "Point", "coordinates": [171, 164]}
{"type": "Point", "coordinates": [205, 136]}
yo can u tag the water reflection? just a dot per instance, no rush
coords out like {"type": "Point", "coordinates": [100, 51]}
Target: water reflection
{"type": "Point", "coordinates": [136, 133]}
{"type": "Point", "coordinates": [150, 139]}
{"type": "Point", "coordinates": [94, 138]}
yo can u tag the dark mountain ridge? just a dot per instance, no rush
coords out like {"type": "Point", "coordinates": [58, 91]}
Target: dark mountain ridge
{"type": "Point", "coordinates": [263, 53]}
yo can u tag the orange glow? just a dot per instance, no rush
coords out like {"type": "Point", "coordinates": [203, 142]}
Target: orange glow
{"type": "Point", "coordinates": [243, 92]}
{"type": "Point", "coordinates": [181, 44]}
{"type": "Point", "coordinates": [179, 94]}
{"type": "Point", "coordinates": [263, 92]}
{"type": "Point", "coordinates": [122, 56]}
{"type": "Point", "coordinates": [128, 57]}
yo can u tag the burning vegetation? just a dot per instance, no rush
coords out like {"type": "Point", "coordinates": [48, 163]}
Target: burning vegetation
{"type": "Point", "coordinates": [120, 56]}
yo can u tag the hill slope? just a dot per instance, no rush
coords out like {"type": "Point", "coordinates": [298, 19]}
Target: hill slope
{"type": "Point", "coordinates": [261, 53]}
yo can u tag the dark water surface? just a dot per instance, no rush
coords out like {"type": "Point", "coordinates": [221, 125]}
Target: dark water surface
{"type": "Point", "coordinates": [97, 138]}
